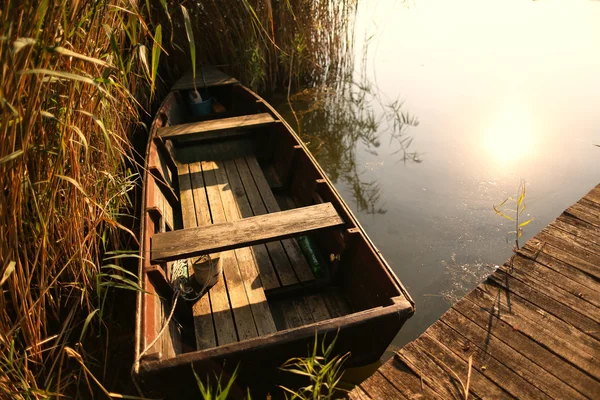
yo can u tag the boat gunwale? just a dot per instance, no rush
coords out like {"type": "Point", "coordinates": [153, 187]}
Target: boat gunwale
{"type": "Point", "coordinates": [402, 309]}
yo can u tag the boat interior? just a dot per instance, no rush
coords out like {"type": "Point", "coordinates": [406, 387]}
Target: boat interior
{"type": "Point", "coordinates": [238, 186]}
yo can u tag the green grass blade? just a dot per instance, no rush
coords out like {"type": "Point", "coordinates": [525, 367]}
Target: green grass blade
{"type": "Point", "coordinates": [156, 49]}
{"type": "Point", "coordinates": [190, 36]}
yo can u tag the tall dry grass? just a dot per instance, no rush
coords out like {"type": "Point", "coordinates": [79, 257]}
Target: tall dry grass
{"type": "Point", "coordinates": [263, 43]}
{"type": "Point", "coordinates": [70, 71]}
{"type": "Point", "coordinates": [74, 77]}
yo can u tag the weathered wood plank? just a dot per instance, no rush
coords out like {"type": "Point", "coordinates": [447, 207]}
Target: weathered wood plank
{"type": "Point", "coordinates": [317, 307]}
{"type": "Point", "coordinates": [201, 310]}
{"type": "Point", "coordinates": [281, 262]}
{"type": "Point", "coordinates": [205, 77]}
{"type": "Point", "coordinates": [585, 213]}
{"type": "Point", "coordinates": [545, 275]}
{"type": "Point", "coordinates": [573, 235]}
{"type": "Point", "coordinates": [496, 329]}
{"type": "Point", "coordinates": [439, 378]}
{"type": "Point", "coordinates": [246, 263]}
{"type": "Point", "coordinates": [290, 313]}
{"type": "Point", "coordinates": [567, 253]}
{"type": "Point", "coordinates": [593, 195]}
{"type": "Point", "coordinates": [551, 301]}
{"type": "Point", "coordinates": [268, 276]}
{"type": "Point", "coordinates": [378, 387]}
{"type": "Point", "coordinates": [533, 327]}
{"type": "Point", "coordinates": [550, 298]}
{"type": "Point", "coordinates": [406, 381]}
{"type": "Point", "coordinates": [221, 308]}
{"type": "Point", "coordinates": [303, 311]}
{"type": "Point", "coordinates": [223, 236]}
{"type": "Point", "coordinates": [562, 338]}
{"type": "Point", "coordinates": [336, 305]}
{"type": "Point", "coordinates": [358, 394]}
{"type": "Point", "coordinates": [213, 129]}
{"type": "Point", "coordinates": [579, 228]}
{"type": "Point", "coordinates": [299, 263]}
{"type": "Point", "coordinates": [486, 348]}
{"type": "Point", "coordinates": [236, 289]}
{"type": "Point", "coordinates": [486, 374]}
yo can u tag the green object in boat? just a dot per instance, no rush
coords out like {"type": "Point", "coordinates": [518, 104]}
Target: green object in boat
{"type": "Point", "coordinates": [310, 253]}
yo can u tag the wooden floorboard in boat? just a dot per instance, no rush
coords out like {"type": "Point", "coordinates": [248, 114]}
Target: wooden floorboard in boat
{"type": "Point", "coordinates": [532, 328]}
{"type": "Point", "coordinates": [294, 253]}
{"type": "Point", "coordinates": [267, 273]}
{"type": "Point", "coordinates": [242, 286]}
{"type": "Point", "coordinates": [218, 188]}
{"type": "Point", "coordinates": [302, 309]}
{"type": "Point", "coordinates": [281, 262]}
{"type": "Point", "coordinates": [191, 214]}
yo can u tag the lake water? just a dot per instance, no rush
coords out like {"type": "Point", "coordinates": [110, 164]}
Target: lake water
{"type": "Point", "coordinates": [502, 91]}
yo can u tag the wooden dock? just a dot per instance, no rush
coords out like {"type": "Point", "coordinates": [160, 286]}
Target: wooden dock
{"type": "Point", "coordinates": [531, 330]}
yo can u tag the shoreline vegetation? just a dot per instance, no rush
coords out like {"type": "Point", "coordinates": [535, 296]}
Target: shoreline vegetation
{"type": "Point", "coordinates": [78, 82]}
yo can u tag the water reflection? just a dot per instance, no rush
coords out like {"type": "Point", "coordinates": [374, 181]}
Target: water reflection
{"type": "Point", "coordinates": [335, 118]}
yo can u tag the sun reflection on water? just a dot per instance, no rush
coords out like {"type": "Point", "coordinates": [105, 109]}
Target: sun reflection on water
{"type": "Point", "coordinates": [510, 137]}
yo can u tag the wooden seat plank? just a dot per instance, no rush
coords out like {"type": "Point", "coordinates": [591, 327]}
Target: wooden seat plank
{"type": "Point", "coordinates": [299, 263]}
{"type": "Point", "coordinates": [206, 76]}
{"type": "Point", "coordinates": [223, 236]}
{"type": "Point", "coordinates": [201, 310]}
{"type": "Point", "coordinates": [267, 274]}
{"type": "Point", "coordinates": [276, 250]}
{"type": "Point", "coordinates": [245, 293]}
{"type": "Point", "coordinates": [213, 129]}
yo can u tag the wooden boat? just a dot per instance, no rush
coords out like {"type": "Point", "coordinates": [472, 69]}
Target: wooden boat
{"type": "Point", "coordinates": [239, 184]}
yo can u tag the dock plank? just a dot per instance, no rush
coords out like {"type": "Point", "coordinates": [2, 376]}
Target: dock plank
{"type": "Point", "coordinates": [553, 300]}
{"type": "Point", "coordinates": [502, 353]}
{"type": "Point", "coordinates": [379, 387]}
{"type": "Point", "coordinates": [533, 327]}
{"type": "Point", "coordinates": [496, 329]}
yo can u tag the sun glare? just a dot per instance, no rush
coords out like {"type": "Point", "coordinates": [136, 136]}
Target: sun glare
{"type": "Point", "coordinates": [510, 137]}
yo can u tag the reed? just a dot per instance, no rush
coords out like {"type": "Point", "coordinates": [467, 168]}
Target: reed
{"type": "Point", "coordinates": [514, 215]}
{"type": "Point", "coordinates": [261, 42]}
{"type": "Point", "coordinates": [73, 76]}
